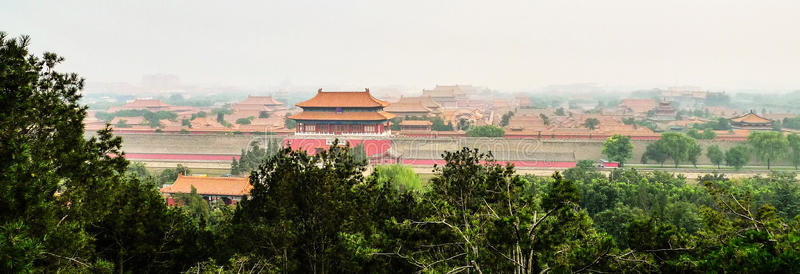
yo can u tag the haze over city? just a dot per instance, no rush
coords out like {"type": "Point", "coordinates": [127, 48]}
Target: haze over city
{"type": "Point", "coordinates": [505, 45]}
{"type": "Point", "coordinates": [355, 136]}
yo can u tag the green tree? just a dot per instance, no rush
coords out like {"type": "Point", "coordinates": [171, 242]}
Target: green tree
{"type": "Point", "coordinates": [791, 122]}
{"type": "Point", "coordinates": [560, 112]}
{"type": "Point", "coordinates": [402, 178]}
{"type": "Point", "coordinates": [464, 124]}
{"type": "Point", "coordinates": [591, 123]}
{"type": "Point", "coordinates": [194, 205]}
{"type": "Point", "coordinates": [289, 123]}
{"type": "Point", "coordinates": [395, 124]}
{"type": "Point", "coordinates": [169, 175]}
{"type": "Point", "coordinates": [794, 144]}
{"type": "Point", "coordinates": [224, 110]}
{"type": "Point", "coordinates": [67, 203]}
{"type": "Point", "coordinates": [122, 123]}
{"type": "Point", "coordinates": [618, 148]}
{"type": "Point", "coordinates": [677, 146]}
{"type": "Point", "coordinates": [709, 134]}
{"type": "Point", "coordinates": [506, 117]}
{"type": "Point", "coordinates": [485, 131]}
{"type": "Point", "coordinates": [439, 125]}
{"type": "Point", "coordinates": [545, 119]}
{"type": "Point", "coordinates": [139, 170]}
{"type": "Point", "coordinates": [43, 152]}
{"type": "Point", "coordinates": [695, 150]}
{"type": "Point", "coordinates": [359, 153]}
{"type": "Point", "coordinates": [629, 121]}
{"type": "Point", "coordinates": [737, 157]}
{"type": "Point", "coordinates": [143, 235]}
{"type": "Point", "coordinates": [485, 221]}
{"type": "Point", "coordinates": [655, 152]}
{"type": "Point", "coordinates": [768, 145]}
{"type": "Point", "coordinates": [154, 118]}
{"type": "Point", "coordinates": [302, 210]}
{"type": "Point", "coordinates": [715, 154]}
{"type": "Point", "coordinates": [251, 158]}
{"type": "Point", "coordinates": [244, 121]}
{"type": "Point", "coordinates": [694, 134]}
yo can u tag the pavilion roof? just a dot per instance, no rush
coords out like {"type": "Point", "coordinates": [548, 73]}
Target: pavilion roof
{"type": "Point", "coordinates": [416, 123]}
{"type": "Point", "coordinates": [230, 186]}
{"type": "Point", "coordinates": [751, 118]}
{"type": "Point", "coordinates": [426, 101]}
{"type": "Point", "coordinates": [639, 105]}
{"type": "Point", "coordinates": [140, 104]}
{"type": "Point", "coordinates": [407, 107]}
{"type": "Point", "coordinates": [255, 107]}
{"type": "Point", "coordinates": [343, 116]}
{"type": "Point", "coordinates": [343, 99]}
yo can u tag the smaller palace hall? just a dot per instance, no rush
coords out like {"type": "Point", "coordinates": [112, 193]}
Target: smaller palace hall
{"type": "Point", "coordinates": [343, 113]}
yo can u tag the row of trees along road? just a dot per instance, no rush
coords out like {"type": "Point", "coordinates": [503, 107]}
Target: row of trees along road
{"type": "Point", "coordinates": [767, 146]}
{"type": "Point", "coordinates": [68, 204]}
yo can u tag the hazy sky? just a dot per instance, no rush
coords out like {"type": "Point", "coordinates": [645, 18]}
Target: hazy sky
{"type": "Point", "coordinates": [722, 44]}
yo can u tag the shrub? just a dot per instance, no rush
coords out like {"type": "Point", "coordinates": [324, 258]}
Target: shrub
{"type": "Point", "coordinates": [401, 178]}
{"type": "Point", "coordinates": [485, 131]}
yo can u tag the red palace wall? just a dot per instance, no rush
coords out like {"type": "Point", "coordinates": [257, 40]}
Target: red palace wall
{"type": "Point", "coordinates": [310, 146]}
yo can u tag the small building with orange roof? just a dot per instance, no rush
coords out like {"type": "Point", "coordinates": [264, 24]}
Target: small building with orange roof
{"type": "Point", "coordinates": [142, 104]}
{"type": "Point", "coordinates": [408, 109]}
{"type": "Point", "coordinates": [751, 121]}
{"type": "Point", "coordinates": [258, 103]}
{"type": "Point", "coordinates": [415, 125]}
{"type": "Point", "coordinates": [228, 190]}
{"type": "Point", "coordinates": [638, 106]}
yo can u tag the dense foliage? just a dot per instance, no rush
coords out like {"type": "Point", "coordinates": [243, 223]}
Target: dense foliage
{"type": "Point", "coordinates": [402, 178]}
{"type": "Point", "coordinates": [591, 123]}
{"type": "Point", "coordinates": [718, 124]}
{"type": "Point", "coordinates": [252, 157]}
{"type": "Point", "coordinates": [477, 215]}
{"type": "Point", "coordinates": [674, 146]}
{"type": "Point", "coordinates": [505, 118]}
{"type": "Point", "coordinates": [69, 204]}
{"type": "Point", "coordinates": [768, 146]}
{"type": "Point", "coordinates": [168, 175]}
{"type": "Point", "coordinates": [618, 148]}
{"type": "Point", "coordinates": [153, 118]}
{"type": "Point", "coordinates": [707, 133]}
{"type": "Point", "coordinates": [485, 131]}
{"type": "Point", "coordinates": [437, 123]}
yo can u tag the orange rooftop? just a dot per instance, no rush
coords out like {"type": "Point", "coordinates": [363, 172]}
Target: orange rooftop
{"type": "Point", "coordinates": [343, 113]}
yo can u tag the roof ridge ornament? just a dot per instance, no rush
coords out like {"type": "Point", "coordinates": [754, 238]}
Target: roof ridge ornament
{"type": "Point", "coordinates": [319, 90]}
{"type": "Point", "coordinates": [366, 90]}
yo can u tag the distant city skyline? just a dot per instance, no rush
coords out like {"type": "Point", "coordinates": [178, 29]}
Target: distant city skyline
{"type": "Point", "coordinates": [510, 45]}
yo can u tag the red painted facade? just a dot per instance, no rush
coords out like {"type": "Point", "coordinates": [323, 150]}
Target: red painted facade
{"type": "Point", "coordinates": [310, 146]}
